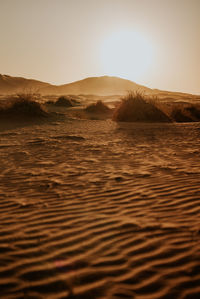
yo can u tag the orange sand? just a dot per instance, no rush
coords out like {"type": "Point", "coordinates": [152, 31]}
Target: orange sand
{"type": "Point", "coordinates": [94, 209]}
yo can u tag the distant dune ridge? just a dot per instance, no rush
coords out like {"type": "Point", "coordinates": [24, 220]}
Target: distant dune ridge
{"type": "Point", "coordinates": [96, 85]}
{"type": "Point", "coordinates": [104, 85]}
{"type": "Point", "coordinates": [11, 85]}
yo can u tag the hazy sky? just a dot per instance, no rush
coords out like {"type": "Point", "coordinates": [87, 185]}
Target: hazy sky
{"type": "Point", "coordinates": [152, 42]}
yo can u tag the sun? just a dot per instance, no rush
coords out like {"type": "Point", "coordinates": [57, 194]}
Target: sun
{"type": "Point", "coordinates": [127, 54]}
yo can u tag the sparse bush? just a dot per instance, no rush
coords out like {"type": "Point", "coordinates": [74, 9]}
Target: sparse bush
{"type": "Point", "coordinates": [178, 114]}
{"type": "Point", "coordinates": [135, 108]}
{"type": "Point", "coordinates": [49, 102]}
{"type": "Point", "coordinates": [98, 107]}
{"type": "Point", "coordinates": [22, 105]}
{"type": "Point", "coordinates": [185, 113]}
{"type": "Point", "coordinates": [64, 102]}
{"type": "Point", "coordinates": [194, 112]}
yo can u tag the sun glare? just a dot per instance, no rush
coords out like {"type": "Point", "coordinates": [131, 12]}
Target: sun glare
{"type": "Point", "coordinates": [127, 54]}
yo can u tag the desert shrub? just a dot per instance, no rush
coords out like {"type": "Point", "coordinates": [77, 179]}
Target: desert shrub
{"type": "Point", "coordinates": [98, 107]}
{"type": "Point", "coordinates": [185, 113]}
{"type": "Point", "coordinates": [194, 112]}
{"type": "Point", "coordinates": [49, 102]}
{"type": "Point", "coordinates": [64, 101]}
{"type": "Point", "coordinates": [22, 105]}
{"type": "Point", "coordinates": [179, 114]}
{"type": "Point", "coordinates": [134, 107]}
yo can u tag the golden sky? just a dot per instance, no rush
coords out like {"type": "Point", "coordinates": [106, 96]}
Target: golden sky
{"type": "Point", "coordinates": [152, 42]}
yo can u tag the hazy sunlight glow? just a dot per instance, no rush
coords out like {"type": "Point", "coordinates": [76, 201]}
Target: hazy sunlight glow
{"type": "Point", "coordinates": [127, 54]}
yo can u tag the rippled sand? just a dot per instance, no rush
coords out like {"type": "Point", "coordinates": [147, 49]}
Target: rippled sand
{"type": "Point", "coordinates": [94, 209]}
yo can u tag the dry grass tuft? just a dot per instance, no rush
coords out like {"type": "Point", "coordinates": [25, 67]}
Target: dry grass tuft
{"type": "Point", "coordinates": [185, 113]}
{"type": "Point", "coordinates": [64, 101]}
{"type": "Point", "coordinates": [136, 108]}
{"type": "Point", "coordinates": [22, 106]}
{"type": "Point", "coordinates": [98, 107]}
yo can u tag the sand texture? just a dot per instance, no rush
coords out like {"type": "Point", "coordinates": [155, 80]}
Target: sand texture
{"type": "Point", "coordinates": [94, 209]}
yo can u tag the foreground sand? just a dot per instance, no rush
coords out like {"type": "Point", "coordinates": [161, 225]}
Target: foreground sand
{"type": "Point", "coordinates": [92, 209]}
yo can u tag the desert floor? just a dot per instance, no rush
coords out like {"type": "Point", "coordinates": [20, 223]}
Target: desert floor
{"type": "Point", "coordinates": [94, 209]}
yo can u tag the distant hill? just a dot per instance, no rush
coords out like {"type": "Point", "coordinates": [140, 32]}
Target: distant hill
{"type": "Point", "coordinates": [104, 85]}
{"type": "Point", "coordinates": [10, 85]}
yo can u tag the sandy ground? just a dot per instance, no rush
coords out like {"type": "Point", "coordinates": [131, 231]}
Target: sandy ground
{"type": "Point", "coordinates": [94, 209]}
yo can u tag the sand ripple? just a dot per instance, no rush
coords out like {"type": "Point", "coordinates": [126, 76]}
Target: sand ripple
{"type": "Point", "coordinates": [91, 209]}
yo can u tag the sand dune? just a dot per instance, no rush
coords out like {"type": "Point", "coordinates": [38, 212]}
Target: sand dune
{"type": "Point", "coordinates": [104, 85]}
{"type": "Point", "coordinates": [95, 209]}
{"type": "Point", "coordinates": [99, 86]}
{"type": "Point", "coordinates": [11, 85]}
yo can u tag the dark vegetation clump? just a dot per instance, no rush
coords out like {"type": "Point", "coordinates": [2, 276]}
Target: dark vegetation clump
{"type": "Point", "coordinates": [194, 112]}
{"type": "Point", "coordinates": [136, 108]}
{"type": "Point", "coordinates": [64, 101]}
{"type": "Point", "coordinates": [178, 114]}
{"type": "Point", "coordinates": [98, 107]}
{"type": "Point", "coordinates": [22, 106]}
{"type": "Point", "coordinates": [185, 113]}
